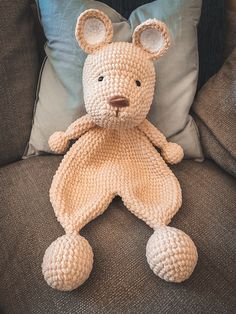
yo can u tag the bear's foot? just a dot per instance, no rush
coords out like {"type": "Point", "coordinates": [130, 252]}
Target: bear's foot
{"type": "Point", "coordinates": [171, 254]}
{"type": "Point", "coordinates": [67, 262]}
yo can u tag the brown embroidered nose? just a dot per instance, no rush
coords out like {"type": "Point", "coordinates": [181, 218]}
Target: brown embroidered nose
{"type": "Point", "coordinates": [118, 101]}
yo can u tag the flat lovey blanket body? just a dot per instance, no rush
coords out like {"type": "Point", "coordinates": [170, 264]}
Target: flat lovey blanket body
{"type": "Point", "coordinates": [115, 155]}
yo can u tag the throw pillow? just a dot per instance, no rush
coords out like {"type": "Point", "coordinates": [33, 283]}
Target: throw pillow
{"type": "Point", "coordinates": [60, 97]}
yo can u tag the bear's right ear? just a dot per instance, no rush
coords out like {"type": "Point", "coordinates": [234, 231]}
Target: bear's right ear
{"type": "Point", "coordinates": [153, 37]}
{"type": "Point", "coordinates": [93, 30]}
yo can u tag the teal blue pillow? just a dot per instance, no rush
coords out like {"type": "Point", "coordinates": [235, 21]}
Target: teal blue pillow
{"type": "Point", "coordinates": [60, 94]}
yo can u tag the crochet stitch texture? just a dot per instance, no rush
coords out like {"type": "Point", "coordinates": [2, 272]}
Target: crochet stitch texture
{"type": "Point", "coordinates": [115, 155]}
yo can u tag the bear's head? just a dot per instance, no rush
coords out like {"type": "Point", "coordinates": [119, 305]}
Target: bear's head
{"type": "Point", "coordinates": [119, 77]}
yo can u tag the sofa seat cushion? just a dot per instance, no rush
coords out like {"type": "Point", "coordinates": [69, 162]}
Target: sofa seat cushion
{"type": "Point", "coordinates": [121, 281]}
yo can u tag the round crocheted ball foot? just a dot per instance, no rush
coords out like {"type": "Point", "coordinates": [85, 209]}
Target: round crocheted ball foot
{"type": "Point", "coordinates": [171, 254]}
{"type": "Point", "coordinates": [67, 262]}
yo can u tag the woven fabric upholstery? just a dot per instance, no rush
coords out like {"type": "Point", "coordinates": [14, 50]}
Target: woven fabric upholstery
{"type": "Point", "coordinates": [214, 150]}
{"type": "Point", "coordinates": [211, 39]}
{"type": "Point", "coordinates": [215, 107]}
{"type": "Point", "coordinates": [18, 72]}
{"type": "Point", "coordinates": [230, 41]}
{"type": "Point", "coordinates": [121, 281]}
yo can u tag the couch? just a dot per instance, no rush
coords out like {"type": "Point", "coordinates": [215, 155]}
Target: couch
{"type": "Point", "coordinates": [121, 280]}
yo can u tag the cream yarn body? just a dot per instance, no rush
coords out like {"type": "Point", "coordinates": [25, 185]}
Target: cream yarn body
{"type": "Point", "coordinates": [104, 163]}
{"type": "Point", "coordinates": [115, 154]}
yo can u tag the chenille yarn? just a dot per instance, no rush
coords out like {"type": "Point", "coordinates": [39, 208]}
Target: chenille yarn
{"type": "Point", "coordinates": [171, 254]}
{"type": "Point", "coordinates": [68, 260]}
{"type": "Point", "coordinates": [115, 155]}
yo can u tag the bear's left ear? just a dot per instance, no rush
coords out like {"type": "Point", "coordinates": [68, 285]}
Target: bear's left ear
{"type": "Point", "coordinates": [93, 30]}
{"type": "Point", "coordinates": [153, 37]}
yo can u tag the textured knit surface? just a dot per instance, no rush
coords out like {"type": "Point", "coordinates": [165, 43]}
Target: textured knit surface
{"type": "Point", "coordinates": [18, 73]}
{"type": "Point", "coordinates": [121, 281]}
{"type": "Point", "coordinates": [76, 257]}
{"type": "Point", "coordinates": [115, 155]}
{"type": "Point", "coordinates": [215, 106]}
{"type": "Point", "coordinates": [105, 163]}
{"type": "Point", "coordinates": [168, 241]}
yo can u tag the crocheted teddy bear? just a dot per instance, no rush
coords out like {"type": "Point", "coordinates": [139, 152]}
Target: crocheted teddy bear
{"type": "Point", "coordinates": [115, 155]}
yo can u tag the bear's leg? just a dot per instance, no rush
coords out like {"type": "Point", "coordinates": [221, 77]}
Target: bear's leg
{"type": "Point", "coordinates": [68, 261]}
{"type": "Point", "coordinates": [170, 253]}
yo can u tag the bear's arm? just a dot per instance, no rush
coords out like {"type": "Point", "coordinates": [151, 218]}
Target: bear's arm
{"type": "Point", "coordinates": [171, 152]}
{"type": "Point", "coordinates": [79, 127]}
{"type": "Point", "coordinates": [59, 141]}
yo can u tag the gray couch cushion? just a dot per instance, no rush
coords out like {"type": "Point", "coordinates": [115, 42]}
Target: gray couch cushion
{"type": "Point", "coordinates": [214, 150]}
{"type": "Point", "coordinates": [18, 73]}
{"type": "Point", "coordinates": [215, 107]}
{"type": "Point", "coordinates": [121, 281]}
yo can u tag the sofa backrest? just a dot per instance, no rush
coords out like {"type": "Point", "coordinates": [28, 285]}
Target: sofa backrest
{"type": "Point", "coordinates": [18, 72]}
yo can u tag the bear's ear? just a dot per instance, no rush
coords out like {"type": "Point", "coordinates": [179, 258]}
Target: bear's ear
{"type": "Point", "coordinates": [153, 37]}
{"type": "Point", "coordinates": [93, 30]}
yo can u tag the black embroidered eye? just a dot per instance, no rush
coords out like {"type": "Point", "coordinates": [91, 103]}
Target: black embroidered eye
{"type": "Point", "coordinates": [100, 78]}
{"type": "Point", "coordinates": [138, 83]}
